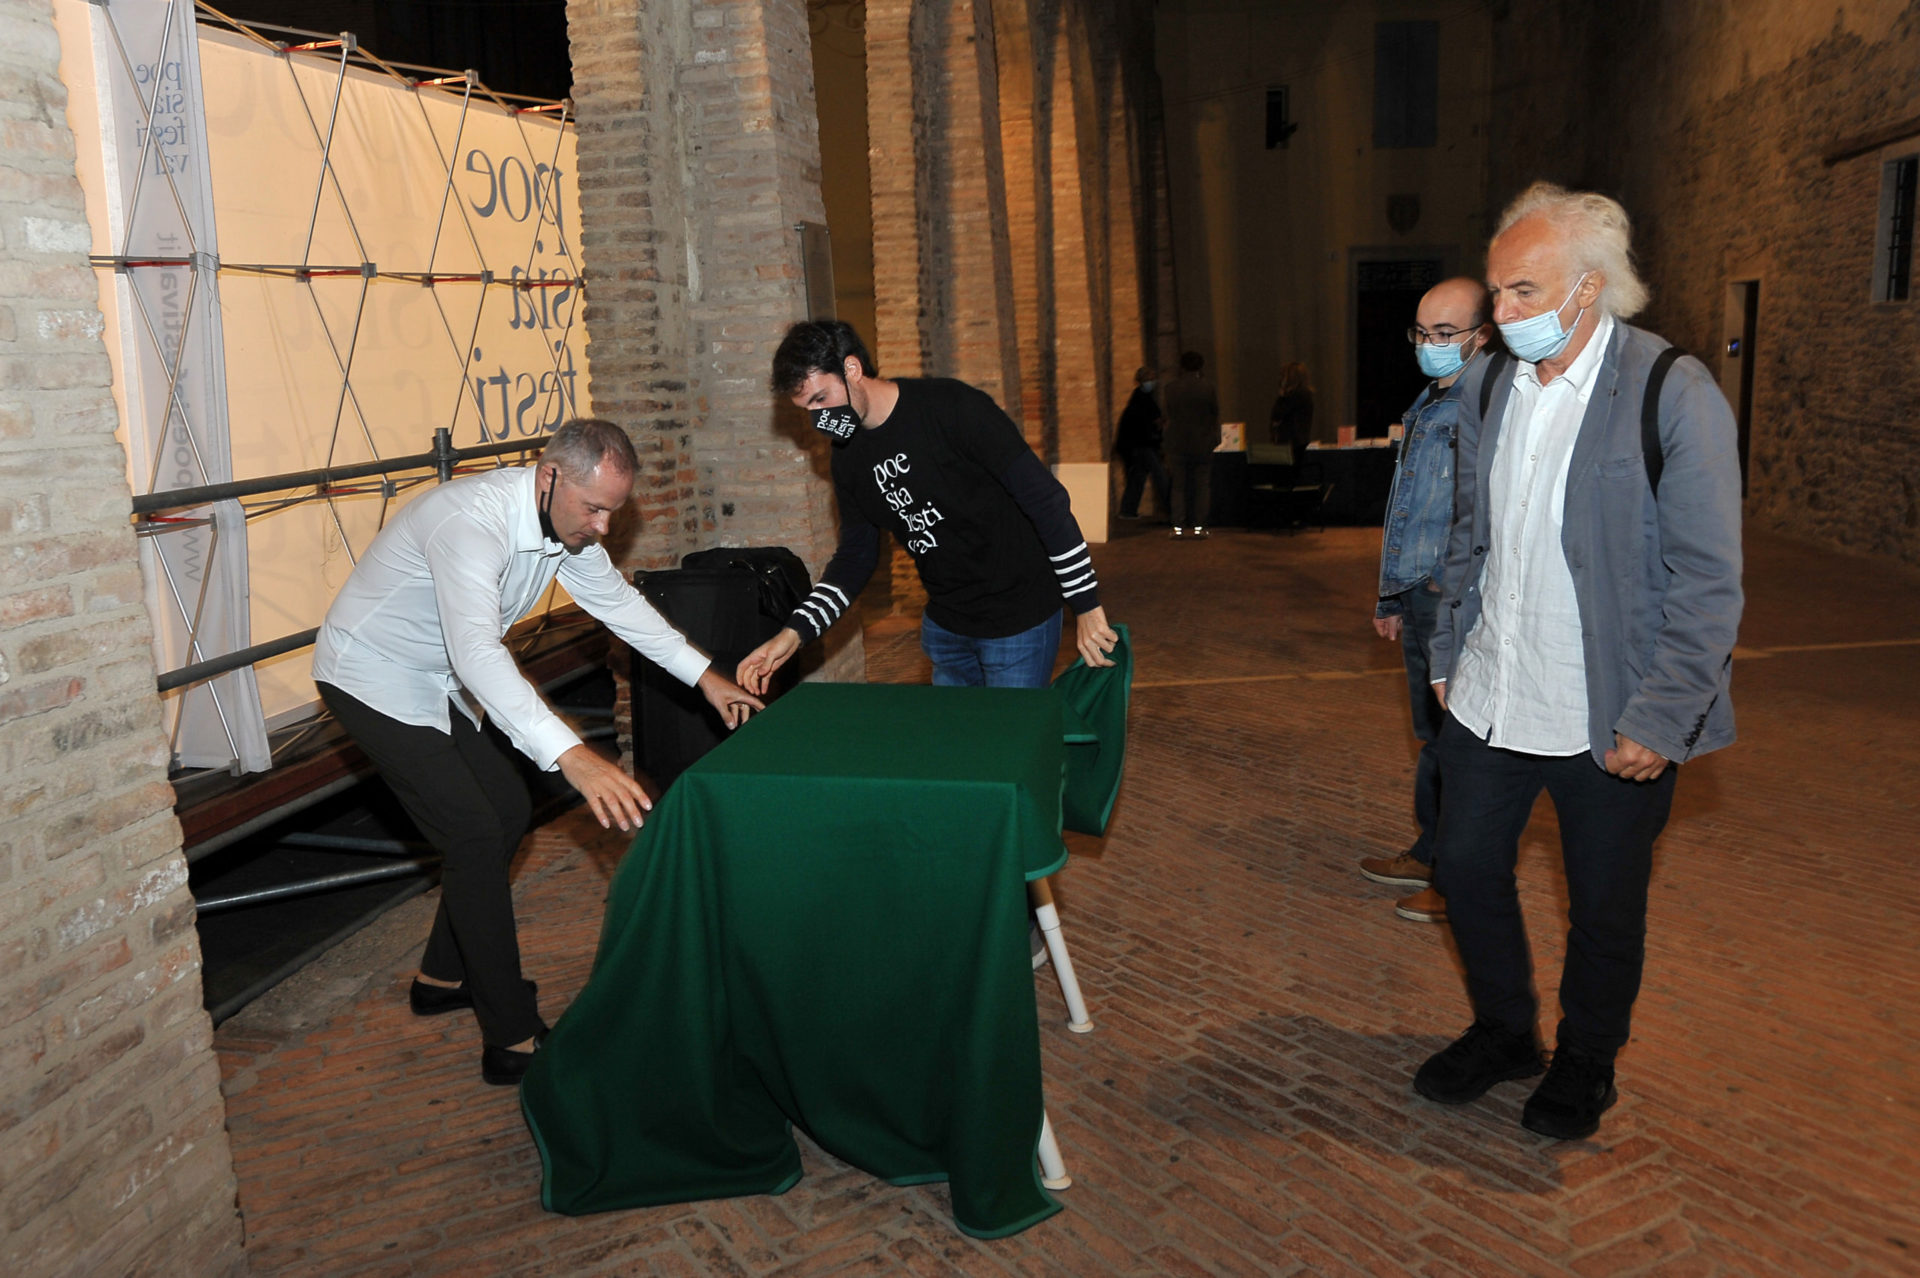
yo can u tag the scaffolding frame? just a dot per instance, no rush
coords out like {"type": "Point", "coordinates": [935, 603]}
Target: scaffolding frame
{"type": "Point", "coordinates": [158, 512]}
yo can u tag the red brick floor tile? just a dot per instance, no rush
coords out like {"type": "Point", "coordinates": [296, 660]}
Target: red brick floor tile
{"type": "Point", "coordinates": [1244, 1105]}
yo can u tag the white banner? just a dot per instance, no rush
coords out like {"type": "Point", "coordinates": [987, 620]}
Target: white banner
{"type": "Point", "coordinates": [392, 260]}
{"type": "Point", "coordinates": [157, 203]}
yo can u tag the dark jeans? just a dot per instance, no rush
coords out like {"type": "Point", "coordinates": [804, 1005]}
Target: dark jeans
{"type": "Point", "coordinates": [1023, 660]}
{"type": "Point", "coordinates": [470, 802]}
{"type": "Point", "coordinates": [1192, 489]}
{"type": "Point", "coordinates": [1419, 610]}
{"type": "Point", "coordinates": [1143, 464]}
{"type": "Point", "coordinates": [1607, 829]}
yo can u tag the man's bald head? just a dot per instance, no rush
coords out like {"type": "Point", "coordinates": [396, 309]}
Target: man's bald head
{"type": "Point", "coordinates": [1457, 304]}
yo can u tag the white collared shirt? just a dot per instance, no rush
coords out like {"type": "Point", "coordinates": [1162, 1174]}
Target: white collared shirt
{"type": "Point", "coordinates": [421, 619]}
{"type": "Point", "coordinates": [1521, 680]}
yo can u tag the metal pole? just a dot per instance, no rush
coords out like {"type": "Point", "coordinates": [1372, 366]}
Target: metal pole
{"type": "Point", "coordinates": [220, 665]}
{"type": "Point", "coordinates": [443, 453]}
{"type": "Point", "coordinates": [323, 883]}
{"type": "Point", "coordinates": [181, 498]}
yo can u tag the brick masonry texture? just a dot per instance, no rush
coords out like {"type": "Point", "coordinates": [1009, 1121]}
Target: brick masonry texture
{"type": "Point", "coordinates": [1722, 169]}
{"type": "Point", "coordinates": [1243, 1106]}
{"type": "Point", "coordinates": [1019, 203]}
{"type": "Point", "coordinates": [114, 1158]}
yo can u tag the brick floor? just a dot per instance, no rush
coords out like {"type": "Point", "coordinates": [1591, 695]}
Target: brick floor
{"type": "Point", "coordinates": [1244, 1106]}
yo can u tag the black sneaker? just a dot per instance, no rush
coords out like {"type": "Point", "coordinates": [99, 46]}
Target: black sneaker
{"type": "Point", "coordinates": [1569, 1101]}
{"type": "Point", "coordinates": [1486, 1054]}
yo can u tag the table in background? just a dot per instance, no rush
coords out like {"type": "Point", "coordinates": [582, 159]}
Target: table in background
{"type": "Point", "coordinates": [822, 922]}
{"type": "Point", "coordinates": [1361, 475]}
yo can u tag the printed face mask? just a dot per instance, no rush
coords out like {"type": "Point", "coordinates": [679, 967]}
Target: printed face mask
{"type": "Point", "coordinates": [1540, 336]}
{"type": "Point", "coordinates": [838, 422]}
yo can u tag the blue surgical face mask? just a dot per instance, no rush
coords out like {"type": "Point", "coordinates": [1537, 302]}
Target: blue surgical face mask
{"type": "Point", "coordinates": [1540, 336]}
{"type": "Point", "coordinates": [1442, 359]}
{"type": "Point", "coordinates": [1148, 385]}
{"type": "Point", "coordinates": [838, 422]}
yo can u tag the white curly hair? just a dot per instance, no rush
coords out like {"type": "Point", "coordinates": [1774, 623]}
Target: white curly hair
{"type": "Point", "coordinates": [1596, 236]}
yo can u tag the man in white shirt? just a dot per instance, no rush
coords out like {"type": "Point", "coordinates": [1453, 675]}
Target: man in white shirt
{"type": "Point", "coordinates": [411, 655]}
{"type": "Point", "coordinates": [1591, 599]}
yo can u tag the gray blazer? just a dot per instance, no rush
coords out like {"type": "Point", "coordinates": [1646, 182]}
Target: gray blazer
{"type": "Point", "coordinates": [1658, 582]}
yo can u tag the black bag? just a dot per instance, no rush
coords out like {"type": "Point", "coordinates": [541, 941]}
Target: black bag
{"type": "Point", "coordinates": [727, 602]}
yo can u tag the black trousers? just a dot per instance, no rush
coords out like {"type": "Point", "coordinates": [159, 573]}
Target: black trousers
{"type": "Point", "coordinates": [1607, 829]}
{"type": "Point", "coordinates": [1143, 464]}
{"type": "Point", "coordinates": [1192, 489]}
{"type": "Point", "coordinates": [470, 802]}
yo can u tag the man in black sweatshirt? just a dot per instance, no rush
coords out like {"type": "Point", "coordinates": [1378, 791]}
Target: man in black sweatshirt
{"type": "Point", "coordinates": [936, 463]}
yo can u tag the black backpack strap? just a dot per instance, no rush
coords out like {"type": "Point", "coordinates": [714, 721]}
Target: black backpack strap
{"type": "Point", "coordinates": [1650, 450]}
{"type": "Point", "coordinates": [1496, 367]}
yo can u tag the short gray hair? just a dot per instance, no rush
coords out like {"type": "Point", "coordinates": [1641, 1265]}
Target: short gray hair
{"type": "Point", "coordinates": [585, 443]}
{"type": "Point", "coordinates": [1596, 235]}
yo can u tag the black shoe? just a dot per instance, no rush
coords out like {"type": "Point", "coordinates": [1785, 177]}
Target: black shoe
{"type": "Point", "coordinates": [1486, 1054]}
{"type": "Point", "coordinates": [432, 1000]}
{"type": "Point", "coordinates": [1569, 1101]}
{"type": "Point", "coordinates": [504, 1067]}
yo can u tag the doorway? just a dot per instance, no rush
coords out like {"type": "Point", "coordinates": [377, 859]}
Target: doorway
{"type": "Point", "coordinates": [1740, 326]}
{"type": "Point", "coordinates": [1386, 376]}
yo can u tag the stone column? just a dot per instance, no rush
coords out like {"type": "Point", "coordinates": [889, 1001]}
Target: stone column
{"type": "Point", "coordinates": [115, 1157]}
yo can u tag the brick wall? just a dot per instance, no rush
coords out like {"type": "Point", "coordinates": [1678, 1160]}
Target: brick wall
{"type": "Point", "coordinates": [114, 1157]}
{"type": "Point", "coordinates": [1714, 136]}
{"type": "Point", "coordinates": [1013, 225]}
{"type": "Point", "coordinates": [698, 153]}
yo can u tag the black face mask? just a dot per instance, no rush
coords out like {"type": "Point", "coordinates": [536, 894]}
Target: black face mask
{"type": "Point", "coordinates": [546, 509]}
{"type": "Point", "coordinates": [839, 422]}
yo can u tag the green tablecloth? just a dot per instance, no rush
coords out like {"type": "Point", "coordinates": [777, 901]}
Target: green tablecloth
{"type": "Point", "coordinates": [822, 923]}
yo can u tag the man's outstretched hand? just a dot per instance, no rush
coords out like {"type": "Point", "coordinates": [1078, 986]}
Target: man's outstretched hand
{"type": "Point", "coordinates": [1094, 637]}
{"type": "Point", "coordinates": [758, 666]}
{"type": "Point", "coordinates": [615, 797]}
{"type": "Point", "coordinates": [732, 701]}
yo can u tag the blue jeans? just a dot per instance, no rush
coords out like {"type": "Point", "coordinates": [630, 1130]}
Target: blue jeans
{"type": "Point", "coordinates": [1419, 612]}
{"type": "Point", "coordinates": [1024, 660]}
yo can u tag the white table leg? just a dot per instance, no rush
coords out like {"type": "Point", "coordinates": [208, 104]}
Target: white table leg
{"type": "Point", "coordinates": [1053, 1170]}
{"type": "Point", "coordinates": [1049, 919]}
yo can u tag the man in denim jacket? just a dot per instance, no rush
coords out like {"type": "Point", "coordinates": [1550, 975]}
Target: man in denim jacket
{"type": "Point", "coordinates": [1585, 647]}
{"type": "Point", "coordinates": [1450, 330]}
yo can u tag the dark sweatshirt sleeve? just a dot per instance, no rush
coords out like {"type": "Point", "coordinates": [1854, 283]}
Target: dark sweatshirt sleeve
{"type": "Point", "coordinates": [845, 576]}
{"type": "Point", "coordinates": [1044, 501]}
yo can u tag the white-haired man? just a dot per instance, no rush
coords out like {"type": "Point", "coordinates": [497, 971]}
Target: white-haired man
{"type": "Point", "coordinates": [409, 656]}
{"type": "Point", "coordinates": [1592, 593]}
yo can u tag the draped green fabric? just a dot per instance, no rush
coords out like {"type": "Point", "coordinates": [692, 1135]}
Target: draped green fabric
{"type": "Point", "coordinates": [1096, 710]}
{"type": "Point", "coordinates": [822, 923]}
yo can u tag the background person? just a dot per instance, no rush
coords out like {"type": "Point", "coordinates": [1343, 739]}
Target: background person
{"type": "Point", "coordinates": [1291, 419]}
{"type": "Point", "coordinates": [1449, 330]}
{"type": "Point", "coordinates": [1136, 441]}
{"type": "Point", "coordinates": [1193, 433]}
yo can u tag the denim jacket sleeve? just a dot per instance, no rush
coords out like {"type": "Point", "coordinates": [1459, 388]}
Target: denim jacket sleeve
{"type": "Point", "coordinates": [1420, 504]}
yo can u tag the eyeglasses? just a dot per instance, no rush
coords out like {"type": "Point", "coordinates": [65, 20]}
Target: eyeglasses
{"type": "Point", "coordinates": [1441, 336]}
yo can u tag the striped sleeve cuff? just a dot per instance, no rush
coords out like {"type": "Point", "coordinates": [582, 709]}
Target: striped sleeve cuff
{"type": "Point", "coordinates": [819, 610]}
{"type": "Point", "coordinates": [1079, 585]}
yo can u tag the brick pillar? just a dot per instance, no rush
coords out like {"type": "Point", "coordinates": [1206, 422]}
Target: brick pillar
{"type": "Point", "coordinates": [753, 143]}
{"type": "Point", "coordinates": [115, 1158]}
{"type": "Point", "coordinates": [632, 164]}
{"type": "Point", "coordinates": [942, 266]}
{"type": "Point", "coordinates": [1027, 196]}
{"type": "Point", "coordinates": [1080, 382]}
{"type": "Point", "coordinates": [698, 152]}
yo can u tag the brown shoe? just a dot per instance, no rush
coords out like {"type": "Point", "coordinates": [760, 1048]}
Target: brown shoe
{"type": "Point", "coordinates": [1424, 906]}
{"type": "Point", "coordinates": [1397, 871]}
